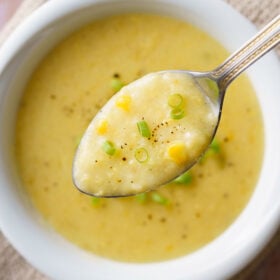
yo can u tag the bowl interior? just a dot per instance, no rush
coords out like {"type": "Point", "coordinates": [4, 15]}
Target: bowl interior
{"type": "Point", "coordinates": [38, 242]}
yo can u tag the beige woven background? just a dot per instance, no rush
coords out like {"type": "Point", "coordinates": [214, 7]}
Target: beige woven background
{"type": "Point", "coordinates": [14, 267]}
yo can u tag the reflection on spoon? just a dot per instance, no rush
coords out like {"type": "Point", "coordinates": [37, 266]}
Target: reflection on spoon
{"type": "Point", "coordinates": [157, 127]}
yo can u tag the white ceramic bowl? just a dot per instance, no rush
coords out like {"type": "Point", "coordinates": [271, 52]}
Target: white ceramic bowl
{"type": "Point", "coordinates": [58, 258]}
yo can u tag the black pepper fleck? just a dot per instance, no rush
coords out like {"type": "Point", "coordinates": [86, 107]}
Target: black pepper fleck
{"type": "Point", "coordinates": [150, 216]}
{"type": "Point", "coordinates": [197, 215]}
{"type": "Point", "coordinates": [225, 195]}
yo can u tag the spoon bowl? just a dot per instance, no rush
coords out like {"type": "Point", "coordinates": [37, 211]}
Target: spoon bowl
{"type": "Point", "coordinates": [128, 160]}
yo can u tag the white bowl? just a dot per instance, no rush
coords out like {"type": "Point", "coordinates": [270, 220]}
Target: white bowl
{"type": "Point", "coordinates": [58, 258]}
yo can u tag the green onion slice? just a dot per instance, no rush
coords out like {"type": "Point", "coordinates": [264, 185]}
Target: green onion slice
{"type": "Point", "coordinates": [215, 146]}
{"type": "Point", "coordinates": [214, 149]}
{"type": "Point", "coordinates": [95, 200]}
{"type": "Point", "coordinates": [185, 178]}
{"type": "Point", "coordinates": [156, 197]}
{"type": "Point", "coordinates": [177, 113]}
{"type": "Point", "coordinates": [143, 129]}
{"type": "Point", "coordinates": [141, 198]}
{"type": "Point", "coordinates": [141, 155]}
{"type": "Point", "coordinates": [108, 147]}
{"type": "Point", "coordinates": [175, 100]}
{"type": "Point", "coordinates": [116, 84]}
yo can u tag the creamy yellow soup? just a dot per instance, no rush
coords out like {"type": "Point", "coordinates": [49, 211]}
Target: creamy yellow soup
{"type": "Point", "coordinates": [163, 121]}
{"type": "Point", "coordinates": [66, 91]}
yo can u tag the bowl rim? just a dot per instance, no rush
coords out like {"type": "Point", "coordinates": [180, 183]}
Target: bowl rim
{"type": "Point", "coordinates": [224, 268]}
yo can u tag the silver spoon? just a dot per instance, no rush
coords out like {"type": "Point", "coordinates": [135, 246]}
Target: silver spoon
{"type": "Point", "coordinates": [212, 84]}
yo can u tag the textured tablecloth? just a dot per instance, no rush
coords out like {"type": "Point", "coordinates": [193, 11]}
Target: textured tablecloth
{"type": "Point", "coordinates": [265, 267]}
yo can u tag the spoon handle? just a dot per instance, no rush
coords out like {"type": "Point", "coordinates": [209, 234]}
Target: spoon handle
{"type": "Point", "coordinates": [254, 49]}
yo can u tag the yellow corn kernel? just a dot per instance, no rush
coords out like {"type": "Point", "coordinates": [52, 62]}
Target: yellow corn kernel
{"type": "Point", "coordinates": [124, 102]}
{"type": "Point", "coordinates": [102, 127]}
{"type": "Point", "coordinates": [178, 153]}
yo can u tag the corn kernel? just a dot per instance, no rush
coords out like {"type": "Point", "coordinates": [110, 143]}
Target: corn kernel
{"type": "Point", "coordinates": [178, 153]}
{"type": "Point", "coordinates": [102, 127]}
{"type": "Point", "coordinates": [124, 102]}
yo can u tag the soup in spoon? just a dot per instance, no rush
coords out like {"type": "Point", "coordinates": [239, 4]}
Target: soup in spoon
{"type": "Point", "coordinates": [146, 135]}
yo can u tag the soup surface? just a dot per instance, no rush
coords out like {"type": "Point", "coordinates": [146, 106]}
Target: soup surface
{"type": "Point", "coordinates": [162, 121]}
{"type": "Point", "coordinates": [66, 91]}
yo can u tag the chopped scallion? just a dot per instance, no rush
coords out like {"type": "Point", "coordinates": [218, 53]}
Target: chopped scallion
{"type": "Point", "coordinates": [108, 147]}
{"type": "Point", "coordinates": [214, 149]}
{"type": "Point", "coordinates": [156, 197]}
{"type": "Point", "coordinates": [116, 84]}
{"type": "Point", "coordinates": [95, 200]}
{"type": "Point", "coordinates": [141, 198]}
{"type": "Point", "coordinates": [175, 100]}
{"type": "Point", "coordinates": [185, 178]}
{"type": "Point", "coordinates": [177, 113]}
{"type": "Point", "coordinates": [143, 129]}
{"type": "Point", "coordinates": [215, 146]}
{"type": "Point", "coordinates": [141, 155]}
